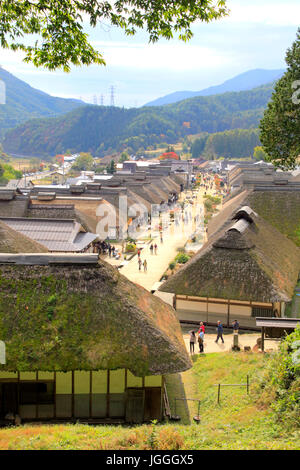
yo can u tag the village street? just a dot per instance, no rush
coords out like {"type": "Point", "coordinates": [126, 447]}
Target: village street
{"type": "Point", "coordinates": [174, 238]}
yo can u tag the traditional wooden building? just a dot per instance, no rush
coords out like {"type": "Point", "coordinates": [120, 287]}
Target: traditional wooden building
{"type": "Point", "coordinates": [82, 342]}
{"type": "Point", "coordinates": [247, 269]}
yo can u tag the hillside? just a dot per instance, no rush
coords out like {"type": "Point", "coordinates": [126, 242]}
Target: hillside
{"type": "Point", "coordinates": [244, 81]}
{"type": "Point", "coordinates": [238, 423]}
{"type": "Point", "coordinates": [24, 102]}
{"type": "Point", "coordinates": [105, 129]}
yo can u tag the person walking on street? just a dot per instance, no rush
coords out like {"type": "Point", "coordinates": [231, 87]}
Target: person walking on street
{"type": "Point", "coordinates": [151, 249]}
{"type": "Point", "coordinates": [235, 326]}
{"type": "Point", "coordinates": [140, 263]}
{"type": "Point", "coordinates": [219, 332]}
{"type": "Point", "coordinates": [155, 249]}
{"type": "Point", "coordinates": [192, 341]}
{"type": "Point", "coordinates": [145, 266]}
{"type": "Point", "coordinates": [109, 250]}
{"type": "Point", "coordinates": [201, 341]}
{"type": "Point", "coordinates": [161, 238]}
{"type": "Point", "coordinates": [139, 252]}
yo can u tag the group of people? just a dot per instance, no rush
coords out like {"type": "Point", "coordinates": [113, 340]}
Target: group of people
{"type": "Point", "coordinates": [193, 339]}
{"type": "Point", "coordinates": [153, 248]}
{"type": "Point", "coordinates": [104, 248]}
{"type": "Point", "coordinates": [142, 263]}
{"type": "Point", "coordinates": [201, 333]}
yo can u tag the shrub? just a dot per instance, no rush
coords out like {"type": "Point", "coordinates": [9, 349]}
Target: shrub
{"type": "Point", "coordinates": [130, 248]}
{"type": "Point", "coordinates": [182, 258]}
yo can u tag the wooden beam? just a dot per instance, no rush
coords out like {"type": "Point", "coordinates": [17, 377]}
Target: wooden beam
{"type": "Point", "coordinates": [73, 398]}
{"type": "Point", "coordinates": [91, 395]}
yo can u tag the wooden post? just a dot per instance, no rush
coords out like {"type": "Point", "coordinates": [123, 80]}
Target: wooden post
{"type": "Point", "coordinates": [54, 406]}
{"type": "Point", "coordinates": [228, 313]}
{"type": "Point", "coordinates": [219, 393]}
{"type": "Point", "coordinates": [263, 338]}
{"type": "Point", "coordinates": [91, 395]}
{"type": "Point", "coordinates": [107, 394]}
{"type": "Point", "coordinates": [247, 384]}
{"type": "Point", "coordinates": [73, 399]}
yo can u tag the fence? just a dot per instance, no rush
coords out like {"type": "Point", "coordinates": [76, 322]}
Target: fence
{"type": "Point", "coordinates": [231, 385]}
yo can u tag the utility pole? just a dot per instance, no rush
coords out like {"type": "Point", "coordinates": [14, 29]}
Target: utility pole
{"type": "Point", "coordinates": [112, 95]}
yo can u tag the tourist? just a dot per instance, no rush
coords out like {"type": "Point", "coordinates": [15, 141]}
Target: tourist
{"type": "Point", "coordinates": [161, 238]}
{"type": "Point", "coordinates": [201, 327]}
{"type": "Point", "coordinates": [155, 249]}
{"type": "Point", "coordinates": [151, 249]}
{"type": "Point", "coordinates": [139, 252]}
{"type": "Point", "coordinates": [219, 332]}
{"type": "Point", "coordinates": [235, 326]}
{"type": "Point", "coordinates": [201, 341]}
{"type": "Point", "coordinates": [145, 266]}
{"type": "Point", "coordinates": [109, 250]}
{"type": "Point", "coordinates": [140, 263]}
{"type": "Point", "coordinates": [192, 341]}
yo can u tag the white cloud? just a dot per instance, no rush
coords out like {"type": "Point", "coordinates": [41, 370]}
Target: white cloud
{"type": "Point", "coordinates": [267, 12]}
{"type": "Point", "coordinates": [171, 56]}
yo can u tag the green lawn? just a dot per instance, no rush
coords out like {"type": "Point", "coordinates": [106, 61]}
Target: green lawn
{"type": "Point", "coordinates": [237, 423]}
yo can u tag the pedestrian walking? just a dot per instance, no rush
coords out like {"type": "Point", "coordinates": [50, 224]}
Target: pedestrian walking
{"type": "Point", "coordinates": [219, 332]}
{"type": "Point", "coordinates": [235, 326]}
{"type": "Point", "coordinates": [192, 341]}
{"type": "Point", "coordinates": [109, 250]}
{"type": "Point", "coordinates": [151, 249]}
{"type": "Point", "coordinates": [140, 263]}
{"type": "Point", "coordinates": [155, 249]}
{"type": "Point", "coordinates": [139, 252]}
{"type": "Point", "coordinates": [145, 266]}
{"type": "Point", "coordinates": [201, 327]}
{"type": "Point", "coordinates": [201, 341]}
{"type": "Point", "coordinates": [161, 238]}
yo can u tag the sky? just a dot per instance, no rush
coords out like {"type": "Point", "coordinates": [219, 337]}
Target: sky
{"type": "Point", "coordinates": [256, 34]}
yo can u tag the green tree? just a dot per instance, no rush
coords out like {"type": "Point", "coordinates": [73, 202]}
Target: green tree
{"type": "Point", "coordinates": [124, 157]}
{"type": "Point", "coordinates": [280, 126]}
{"type": "Point", "coordinates": [111, 168]}
{"type": "Point", "coordinates": [260, 154]}
{"type": "Point", "coordinates": [84, 162]}
{"type": "Point", "coordinates": [54, 35]}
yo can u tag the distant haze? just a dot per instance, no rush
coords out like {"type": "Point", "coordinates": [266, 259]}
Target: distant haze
{"type": "Point", "coordinates": [244, 81]}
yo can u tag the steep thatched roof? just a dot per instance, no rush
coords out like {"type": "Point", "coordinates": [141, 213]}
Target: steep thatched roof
{"type": "Point", "coordinates": [15, 242]}
{"type": "Point", "coordinates": [85, 317]}
{"type": "Point", "coordinates": [244, 260]}
{"type": "Point", "coordinates": [279, 207]}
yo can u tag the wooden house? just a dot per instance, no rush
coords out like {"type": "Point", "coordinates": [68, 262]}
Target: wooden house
{"type": "Point", "coordinates": [82, 342]}
{"type": "Point", "coordinates": [247, 269]}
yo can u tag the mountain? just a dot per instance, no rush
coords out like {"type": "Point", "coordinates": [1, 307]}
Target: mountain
{"type": "Point", "coordinates": [24, 102]}
{"type": "Point", "coordinates": [244, 81]}
{"type": "Point", "coordinates": [100, 129]}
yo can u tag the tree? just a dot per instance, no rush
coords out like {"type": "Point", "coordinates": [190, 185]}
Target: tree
{"type": "Point", "coordinates": [259, 154]}
{"type": "Point", "coordinates": [111, 168]}
{"type": "Point", "coordinates": [54, 34]}
{"type": "Point", "coordinates": [280, 126]}
{"type": "Point", "coordinates": [124, 157]}
{"type": "Point", "coordinates": [84, 162]}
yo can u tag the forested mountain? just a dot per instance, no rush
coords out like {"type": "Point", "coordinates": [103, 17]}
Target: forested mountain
{"type": "Point", "coordinates": [100, 129]}
{"type": "Point", "coordinates": [24, 102]}
{"type": "Point", "coordinates": [237, 143]}
{"type": "Point", "coordinates": [245, 81]}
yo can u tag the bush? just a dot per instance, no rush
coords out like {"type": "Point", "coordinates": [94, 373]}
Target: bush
{"type": "Point", "coordinates": [279, 384]}
{"type": "Point", "coordinates": [182, 258]}
{"type": "Point", "coordinates": [130, 248]}
{"type": "Point", "coordinates": [172, 265]}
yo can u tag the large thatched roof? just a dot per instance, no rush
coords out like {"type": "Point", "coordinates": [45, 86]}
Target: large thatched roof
{"type": "Point", "coordinates": [15, 242]}
{"type": "Point", "coordinates": [279, 207]}
{"type": "Point", "coordinates": [246, 259]}
{"type": "Point", "coordinates": [85, 317]}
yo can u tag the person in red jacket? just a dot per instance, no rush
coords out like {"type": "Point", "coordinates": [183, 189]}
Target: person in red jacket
{"type": "Point", "coordinates": [202, 327]}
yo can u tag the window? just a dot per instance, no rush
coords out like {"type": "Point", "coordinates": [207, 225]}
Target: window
{"type": "Point", "coordinates": [262, 312]}
{"type": "Point", "coordinates": [36, 392]}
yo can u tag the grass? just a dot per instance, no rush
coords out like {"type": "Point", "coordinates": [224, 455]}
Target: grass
{"type": "Point", "coordinates": [237, 423]}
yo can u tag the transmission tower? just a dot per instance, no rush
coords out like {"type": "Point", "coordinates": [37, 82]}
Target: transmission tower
{"type": "Point", "coordinates": [95, 100]}
{"type": "Point", "coordinates": [112, 96]}
{"type": "Point", "coordinates": [102, 100]}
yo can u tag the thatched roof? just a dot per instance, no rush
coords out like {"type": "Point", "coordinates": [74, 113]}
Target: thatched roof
{"type": "Point", "coordinates": [244, 260]}
{"type": "Point", "coordinates": [85, 317]}
{"type": "Point", "coordinates": [15, 242]}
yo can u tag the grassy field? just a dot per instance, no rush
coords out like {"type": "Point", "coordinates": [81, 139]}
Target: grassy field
{"type": "Point", "coordinates": [237, 423]}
